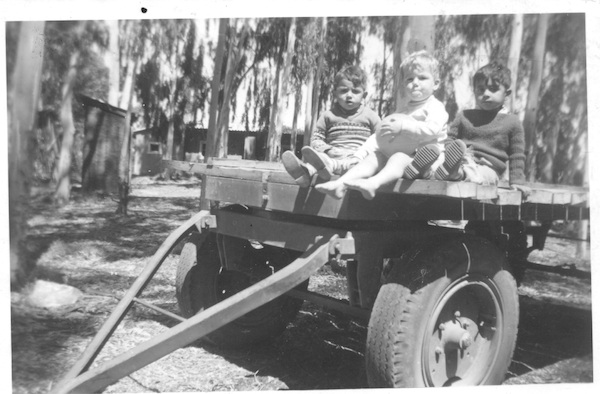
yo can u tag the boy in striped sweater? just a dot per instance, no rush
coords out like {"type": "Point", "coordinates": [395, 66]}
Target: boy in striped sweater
{"type": "Point", "coordinates": [338, 143]}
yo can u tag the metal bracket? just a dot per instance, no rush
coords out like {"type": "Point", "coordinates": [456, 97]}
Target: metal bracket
{"type": "Point", "coordinates": [342, 247]}
{"type": "Point", "coordinates": [206, 222]}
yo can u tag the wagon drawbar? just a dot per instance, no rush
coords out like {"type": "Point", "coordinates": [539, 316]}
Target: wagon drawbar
{"type": "Point", "coordinates": [441, 302]}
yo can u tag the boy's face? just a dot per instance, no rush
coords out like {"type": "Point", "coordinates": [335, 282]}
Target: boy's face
{"type": "Point", "coordinates": [347, 95]}
{"type": "Point", "coordinates": [419, 84]}
{"type": "Point", "coordinates": [490, 95]}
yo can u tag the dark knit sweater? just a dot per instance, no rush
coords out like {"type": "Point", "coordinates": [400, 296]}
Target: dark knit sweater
{"type": "Point", "coordinates": [344, 129]}
{"type": "Point", "coordinates": [494, 136]}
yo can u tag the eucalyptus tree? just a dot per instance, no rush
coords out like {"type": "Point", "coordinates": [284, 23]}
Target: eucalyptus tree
{"type": "Point", "coordinates": [72, 64]}
{"type": "Point", "coordinates": [23, 94]}
{"type": "Point", "coordinates": [131, 50]}
{"type": "Point", "coordinates": [280, 86]}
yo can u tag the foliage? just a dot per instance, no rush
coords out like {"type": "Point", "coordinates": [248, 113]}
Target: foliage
{"type": "Point", "coordinates": [173, 84]}
{"type": "Point", "coordinates": [562, 117]}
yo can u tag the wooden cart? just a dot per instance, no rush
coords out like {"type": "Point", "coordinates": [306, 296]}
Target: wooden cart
{"type": "Point", "coordinates": [441, 301]}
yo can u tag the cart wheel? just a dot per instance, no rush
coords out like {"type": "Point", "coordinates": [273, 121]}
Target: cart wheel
{"type": "Point", "coordinates": [447, 316]}
{"type": "Point", "coordinates": [201, 283]}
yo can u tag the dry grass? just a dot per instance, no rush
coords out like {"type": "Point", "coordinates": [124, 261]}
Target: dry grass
{"type": "Point", "coordinates": [89, 247]}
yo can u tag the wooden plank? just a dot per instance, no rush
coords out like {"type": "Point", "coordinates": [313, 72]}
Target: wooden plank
{"type": "Point", "coordinates": [241, 163]}
{"type": "Point", "coordinates": [201, 324]}
{"type": "Point", "coordinates": [235, 191]}
{"type": "Point", "coordinates": [98, 342]}
{"type": "Point", "coordinates": [281, 233]}
{"type": "Point", "coordinates": [508, 197]}
{"type": "Point", "coordinates": [441, 188]}
{"type": "Point", "coordinates": [557, 194]}
{"type": "Point", "coordinates": [235, 172]}
{"type": "Point", "coordinates": [306, 201]}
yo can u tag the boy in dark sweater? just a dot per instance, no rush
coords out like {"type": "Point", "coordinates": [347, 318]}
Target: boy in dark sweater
{"type": "Point", "coordinates": [338, 142]}
{"type": "Point", "coordinates": [486, 139]}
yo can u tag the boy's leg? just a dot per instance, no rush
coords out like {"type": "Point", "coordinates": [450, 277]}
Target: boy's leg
{"type": "Point", "coordinates": [345, 164]}
{"type": "Point", "coordinates": [301, 172]}
{"type": "Point", "coordinates": [480, 174]}
{"type": "Point", "coordinates": [324, 165]}
{"type": "Point", "coordinates": [392, 171]}
{"type": "Point", "coordinates": [450, 170]}
{"type": "Point", "coordinates": [422, 162]}
{"type": "Point", "coordinates": [363, 169]}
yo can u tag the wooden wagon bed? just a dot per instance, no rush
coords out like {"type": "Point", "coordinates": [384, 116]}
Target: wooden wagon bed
{"type": "Point", "coordinates": [267, 186]}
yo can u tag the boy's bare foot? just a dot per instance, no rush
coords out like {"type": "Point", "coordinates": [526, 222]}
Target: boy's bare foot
{"type": "Point", "coordinates": [296, 168]}
{"type": "Point", "coordinates": [320, 161]}
{"type": "Point", "coordinates": [449, 170]}
{"type": "Point", "coordinates": [365, 186]}
{"type": "Point", "coordinates": [335, 189]}
{"type": "Point", "coordinates": [422, 161]}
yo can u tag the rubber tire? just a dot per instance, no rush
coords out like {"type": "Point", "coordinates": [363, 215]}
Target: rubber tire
{"type": "Point", "coordinates": [199, 276]}
{"type": "Point", "coordinates": [401, 322]}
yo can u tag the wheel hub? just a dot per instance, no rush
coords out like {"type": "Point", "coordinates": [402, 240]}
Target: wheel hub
{"type": "Point", "coordinates": [454, 335]}
{"type": "Point", "coordinates": [463, 340]}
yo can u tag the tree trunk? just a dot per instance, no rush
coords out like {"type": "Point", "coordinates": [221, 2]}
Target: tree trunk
{"type": "Point", "coordinates": [400, 44]}
{"type": "Point", "coordinates": [213, 136]}
{"type": "Point", "coordinates": [171, 107]}
{"type": "Point", "coordinates": [280, 93]}
{"type": "Point", "coordinates": [317, 81]}
{"type": "Point", "coordinates": [23, 99]}
{"type": "Point", "coordinates": [382, 81]}
{"type": "Point", "coordinates": [111, 59]}
{"type": "Point", "coordinates": [514, 54]}
{"type": "Point", "coordinates": [63, 169]}
{"type": "Point", "coordinates": [233, 61]}
{"type": "Point", "coordinates": [308, 110]}
{"type": "Point", "coordinates": [415, 33]}
{"type": "Point", "coordinates": [422, 34]}
{"type": "Point", "coordinates": [535, 82]}
{"type": "Point", "coordinates": [274, 137]}
{"type": "Point", "coordinates": [297, 106]}
{"type": "Point", "coordinates": [125, 156]}
{"type": "Point", "coordinates": [287, 68]}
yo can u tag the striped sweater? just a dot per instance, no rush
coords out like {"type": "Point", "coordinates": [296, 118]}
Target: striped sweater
{"type": "Point", "coordinates": [343, 129]}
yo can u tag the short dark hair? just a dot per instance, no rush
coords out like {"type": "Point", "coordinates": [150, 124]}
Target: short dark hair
{"type": "Point", "coordinates": [354, 74]}
{"type": "Point", "coordinates": [496, 72]}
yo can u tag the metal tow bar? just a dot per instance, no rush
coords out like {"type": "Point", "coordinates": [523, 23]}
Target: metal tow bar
{"type": "Point", "coordinates": [79, 380]}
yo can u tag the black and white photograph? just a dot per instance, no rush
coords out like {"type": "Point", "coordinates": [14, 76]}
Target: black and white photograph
{"type": "Point", "coordinates": [325, 195]}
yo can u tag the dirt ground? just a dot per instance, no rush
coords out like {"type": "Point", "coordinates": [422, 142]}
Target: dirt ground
{"type": "Point", "coordinates": [89, 247]}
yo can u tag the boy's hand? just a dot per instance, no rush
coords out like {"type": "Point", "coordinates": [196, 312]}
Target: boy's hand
{"type": "Point", "coordinates": [525, 190]}
{"type": "Point", "coordinates": [394, 124]}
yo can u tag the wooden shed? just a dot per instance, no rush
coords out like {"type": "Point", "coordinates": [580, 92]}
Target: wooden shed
{"type": "Point", "coordinates": [104, 135]}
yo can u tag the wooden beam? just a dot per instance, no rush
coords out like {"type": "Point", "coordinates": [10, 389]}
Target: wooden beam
{"type": "Point", "coordinates": [98, 342]}
{"type": "Point", "coordinates": [201, 324]}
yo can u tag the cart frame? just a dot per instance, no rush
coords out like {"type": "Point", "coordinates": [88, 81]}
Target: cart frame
{"type": "Point", "coordinates": [258, 201]}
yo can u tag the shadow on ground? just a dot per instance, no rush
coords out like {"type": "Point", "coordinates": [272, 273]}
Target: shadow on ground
{"type": "Point", "coordinates": [322, 350]}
